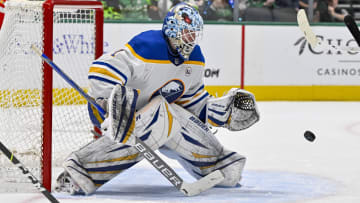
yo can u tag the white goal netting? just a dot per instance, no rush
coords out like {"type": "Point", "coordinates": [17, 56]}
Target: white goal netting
{"type": "Point", "coordinates": [21, 79]}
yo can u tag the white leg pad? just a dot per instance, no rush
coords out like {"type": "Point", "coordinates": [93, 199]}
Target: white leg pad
{"type": "Point", "coordinates": [200, 153]}
{"type": "Point", "coordinates": [233, 170]}
{"type": "Point", "coordinates": [156, 124]}
{"type": "Point", "coordinates": [79, 174]}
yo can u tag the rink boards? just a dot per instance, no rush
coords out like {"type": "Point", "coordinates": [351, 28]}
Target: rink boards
{"type": "Point", "coordinates": [274, 62]}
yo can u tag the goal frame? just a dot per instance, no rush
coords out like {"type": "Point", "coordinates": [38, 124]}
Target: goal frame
{"type": "Point", "coordinates": [47, 86]}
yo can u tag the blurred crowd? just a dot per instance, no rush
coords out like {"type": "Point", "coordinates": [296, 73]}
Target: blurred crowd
{"type": "Point", "coordinates": [229, 10]}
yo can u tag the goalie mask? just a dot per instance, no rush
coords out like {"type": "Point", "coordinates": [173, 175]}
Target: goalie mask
{"type": "Point", "coordinates": [183, 26]}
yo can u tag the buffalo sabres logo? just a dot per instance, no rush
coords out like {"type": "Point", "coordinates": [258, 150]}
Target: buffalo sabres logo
{"type": "Point", "coordinates": [171, 91]}
{"type": "Point", "coordinates": [188, 71]}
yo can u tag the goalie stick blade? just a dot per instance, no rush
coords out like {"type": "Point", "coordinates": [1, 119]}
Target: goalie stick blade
{"type": "Point", "coordinates": [205, 183]}
{"type": "Point", "coordinates": [314, 41]}
{"type": "Point", "coordinates": [188, 189]}
{"type": "Point", "coordinates": [353, 28]}
{"type": "Point", "coordinates": [305, 28]}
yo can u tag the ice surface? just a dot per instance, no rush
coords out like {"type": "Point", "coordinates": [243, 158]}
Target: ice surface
{"type": "Point", "coordinates": [281, 165]}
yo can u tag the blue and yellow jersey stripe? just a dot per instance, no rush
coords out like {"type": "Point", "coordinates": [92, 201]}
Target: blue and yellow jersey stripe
{"type": "Point", "coordinates": [189, 100]}
{"type": "Point", "coordinates": [106, 72]}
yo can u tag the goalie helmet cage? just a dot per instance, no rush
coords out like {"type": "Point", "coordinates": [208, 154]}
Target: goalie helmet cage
{"type": "Point", "coordinates": [37, 106]}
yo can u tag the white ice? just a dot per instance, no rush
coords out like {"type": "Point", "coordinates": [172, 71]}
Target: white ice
{"type": "Point", "coordinates": [281, 165]}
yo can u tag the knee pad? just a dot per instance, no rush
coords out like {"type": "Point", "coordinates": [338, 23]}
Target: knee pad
{"type": "Point", "coordinates": [156, 123]}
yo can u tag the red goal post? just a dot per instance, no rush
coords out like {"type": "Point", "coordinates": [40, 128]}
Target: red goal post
{"type": "Point", "coordinates": [48, 7]}
{"type": "Point", "coordinates": [2, 5]}
{"type": "Point", "coordinates": [43, 119]}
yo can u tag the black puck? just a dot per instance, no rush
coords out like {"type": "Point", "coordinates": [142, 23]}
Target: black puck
{"type": "Point", "coordinates": [310, 136]}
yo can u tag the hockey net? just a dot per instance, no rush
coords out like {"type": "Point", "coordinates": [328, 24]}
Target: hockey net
{"type": "Point", "coordinates": [42, 118]}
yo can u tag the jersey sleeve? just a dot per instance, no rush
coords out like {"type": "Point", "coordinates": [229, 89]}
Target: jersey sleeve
{"type": "Point", "coordinates": [110, 70]}
{"type": "Point", "coordinates": [106, 72]}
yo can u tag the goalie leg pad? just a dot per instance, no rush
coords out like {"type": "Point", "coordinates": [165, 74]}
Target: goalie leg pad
{"type": "Point", "coordinates": [231, 164]}
{"type": "Point", "coordinates": [101, 160]}
{"type": "Point", "coordinates": [156, 123]}
{"type": "Point", "coordinates": [200, 153]}
{"type": "Point", "coordinates": [77, 177]}
{"type": "Point", "coordinates": [98, 162]}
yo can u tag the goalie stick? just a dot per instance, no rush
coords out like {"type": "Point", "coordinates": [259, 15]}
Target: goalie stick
{"type": "Point", "coordinates": [305, 28]}
{"type": "Point", "coordinates": [311, 37]}
{"type": "Point", "coordinates": [353, 28]}
{"type": "Point", "coordinates": [27, 173]}
{"type": "Point", "coordinates": [188, 189]}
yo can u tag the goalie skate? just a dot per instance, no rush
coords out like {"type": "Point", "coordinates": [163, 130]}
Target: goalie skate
{"type": "Point", "coordinates": [75, 179]}
{"type": "Point", "coordinates": [65, 184]}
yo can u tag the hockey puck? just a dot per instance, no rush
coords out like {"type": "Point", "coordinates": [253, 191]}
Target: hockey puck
{"type": "Point", "coordinates": [309, 136]}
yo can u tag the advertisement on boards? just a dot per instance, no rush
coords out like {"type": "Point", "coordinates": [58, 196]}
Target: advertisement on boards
{"type": "Point", "coordinates": [280, 55]}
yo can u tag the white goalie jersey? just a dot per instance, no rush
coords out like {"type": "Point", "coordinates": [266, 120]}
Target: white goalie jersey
{"type": "Point", "coordinates": [158, 72]}
{"type": "Point", "coordinates": [152, 72]}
